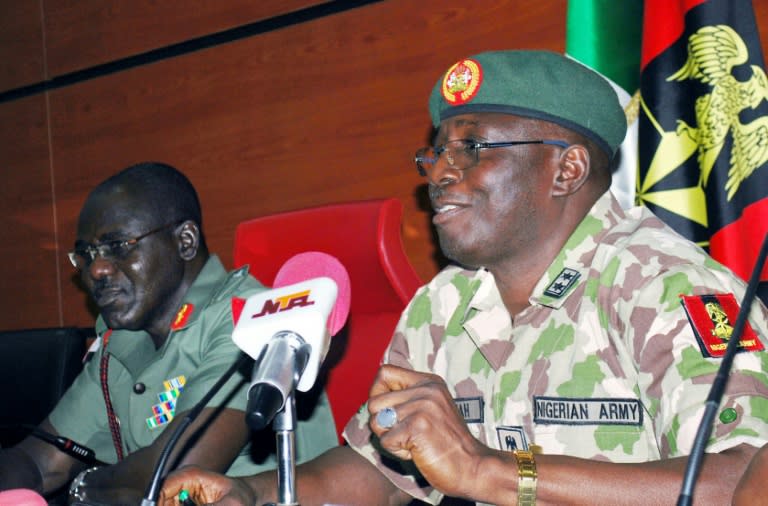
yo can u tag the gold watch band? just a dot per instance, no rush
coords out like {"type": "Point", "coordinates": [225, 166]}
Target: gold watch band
{"type": "Point", "coordinates": [526, 484]}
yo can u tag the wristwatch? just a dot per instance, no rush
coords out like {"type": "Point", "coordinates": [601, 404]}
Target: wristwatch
{"type": "Point", "coordinates": [526, 483]}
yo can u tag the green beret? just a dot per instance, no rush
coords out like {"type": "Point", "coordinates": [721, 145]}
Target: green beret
{"type": "Point", "coordinates": [535, 84]}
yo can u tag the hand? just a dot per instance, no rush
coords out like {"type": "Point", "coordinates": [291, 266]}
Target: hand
{"type": "Point", "coordinates": [429, 429]}
{"type": "Point", "coordinates": [205, 487]}
{"type": "Point", "coordinates": [752, 482]}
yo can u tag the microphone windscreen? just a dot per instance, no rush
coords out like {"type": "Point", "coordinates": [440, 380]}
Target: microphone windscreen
{"type": "Point", "coordinates": [315, 264]}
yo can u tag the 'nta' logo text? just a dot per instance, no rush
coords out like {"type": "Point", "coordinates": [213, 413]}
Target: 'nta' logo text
{"type": "Point", "coordinates": [285, 303]}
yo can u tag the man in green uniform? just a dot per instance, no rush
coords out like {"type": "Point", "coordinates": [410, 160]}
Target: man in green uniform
{"type": "Point", "coordinates": [567, 355]}
{"type": "Point", "coordinates": [164, 339]}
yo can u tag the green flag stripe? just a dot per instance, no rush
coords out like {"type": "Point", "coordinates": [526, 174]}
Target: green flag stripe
{"type": "Point", "coordinates": [605, 35]}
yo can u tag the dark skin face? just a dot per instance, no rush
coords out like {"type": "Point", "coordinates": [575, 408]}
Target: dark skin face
{"type": "Point", "coordinates": [492, 211]}
{"type": "Point", "coordinates": [140, 290]}
{"type": "Point", "coordinates": [512, 211]}
{"type": "Point", "coordinates": [143, 290]}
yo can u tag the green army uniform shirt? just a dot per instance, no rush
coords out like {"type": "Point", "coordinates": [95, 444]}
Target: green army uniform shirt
{"type": "Point", "coordinates": [148, 387]}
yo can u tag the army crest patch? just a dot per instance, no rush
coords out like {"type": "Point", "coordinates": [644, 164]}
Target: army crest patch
{"type": "Point", "coordinates": [462, 82]}
{"type": "Point", "coordinates": [712, 318]}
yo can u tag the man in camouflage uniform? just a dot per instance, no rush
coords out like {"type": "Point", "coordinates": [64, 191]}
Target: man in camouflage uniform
{"type": "Point", "coordinates": [578, 341]}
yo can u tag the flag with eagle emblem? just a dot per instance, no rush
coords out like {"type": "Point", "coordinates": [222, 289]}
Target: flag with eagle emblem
{"type": "Point", "coordinates": [703, 127]}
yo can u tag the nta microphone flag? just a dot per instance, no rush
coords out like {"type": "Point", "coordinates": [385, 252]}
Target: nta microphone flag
{"type": "Point", "coordinates": [703, 126]}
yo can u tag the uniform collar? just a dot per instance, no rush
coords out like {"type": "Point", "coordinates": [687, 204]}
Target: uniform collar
{"type": "Point", "coordinates": [203, 292]}
{"type": "Point", "coordinates": [571, 266]}
{"type": "Point", "coordinates": [566, 272]}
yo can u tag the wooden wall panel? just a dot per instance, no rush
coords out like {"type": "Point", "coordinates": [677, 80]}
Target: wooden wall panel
{"type": "Point", "coordinates": [318, 112]}
{"type": "Point", "coordinates": [29, 253]}
{"type": "Point", "coordinates": [326, 111]}
{"type": "Point", "coordinates": [21, 44]}
{"type": "Point", "coordinates": [84, 33]}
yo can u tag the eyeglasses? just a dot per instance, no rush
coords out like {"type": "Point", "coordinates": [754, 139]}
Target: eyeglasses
{"type": "Point", "coordinates": [463, 153]}
{"type": "Point", "coordinates": [82, 256]}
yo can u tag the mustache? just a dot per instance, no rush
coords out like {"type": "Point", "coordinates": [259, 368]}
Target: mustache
{"type": "Point", "coordinates": [439, 193]}
{"type": "Point", "coordinates": [435, 192]}
{"type": "Point", "coordinates": [102, 285]}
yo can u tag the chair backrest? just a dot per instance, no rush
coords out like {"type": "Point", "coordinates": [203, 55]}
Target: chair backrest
{"type": "Point", "coordinates": [365, 237]}
{"type": "Point", "coordinates": [36, 367]}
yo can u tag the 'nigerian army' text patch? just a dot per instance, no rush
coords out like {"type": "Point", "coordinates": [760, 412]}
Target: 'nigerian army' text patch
{"type": "Point", "coordinates": [570, 411]}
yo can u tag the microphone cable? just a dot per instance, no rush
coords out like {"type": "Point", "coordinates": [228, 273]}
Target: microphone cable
{"type": "Point", "coordinates": [153, 489]}
{"type": "Point", "coordinates": [718, 385]}
{"type": "Point", "coordinates": [66, 445]}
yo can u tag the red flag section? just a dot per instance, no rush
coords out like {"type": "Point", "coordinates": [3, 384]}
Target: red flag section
{"type": "Point", "coordinates": [703, 131]}
{"type": "Point", "coordinates": [662, 25]}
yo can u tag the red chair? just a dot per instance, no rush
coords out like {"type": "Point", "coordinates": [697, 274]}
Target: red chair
{"type": "Point", "coordinates": [365, 237]}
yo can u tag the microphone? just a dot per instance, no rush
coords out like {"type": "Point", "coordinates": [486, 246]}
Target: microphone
{"type": "Point", "coordinates": [299, 267]}
{"type": "Point", "coordinates": [287, 330]}
{"type": "Point", "coordinates": [153, 489]}
{"type": "Point", "coordinates": [685, 498]}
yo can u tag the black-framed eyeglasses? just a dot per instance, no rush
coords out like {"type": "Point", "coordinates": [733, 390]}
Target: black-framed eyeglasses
{"type": "Point", "coordinates": [463, 153]}
{"type": "Point", "coordinates": [82, 256]}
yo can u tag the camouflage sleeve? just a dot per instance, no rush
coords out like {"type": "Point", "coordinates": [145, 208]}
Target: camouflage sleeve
{"type": "Point", "coordinates": [402, 474]}
{"type": "Point", "coordinates": [675, 375]}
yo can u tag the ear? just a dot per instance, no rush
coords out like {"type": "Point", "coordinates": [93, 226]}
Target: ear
{"type": "Point", "coordinates": [572, 172]}
{"type": "Point", "coordinates": [188, 234]}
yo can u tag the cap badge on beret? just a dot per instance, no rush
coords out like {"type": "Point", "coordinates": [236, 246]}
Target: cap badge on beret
{"type": "Point", "coordinates": [462, 82]}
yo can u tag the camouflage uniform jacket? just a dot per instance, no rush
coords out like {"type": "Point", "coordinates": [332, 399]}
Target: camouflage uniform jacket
{"type": "Point", "coordinates": [602, 365]}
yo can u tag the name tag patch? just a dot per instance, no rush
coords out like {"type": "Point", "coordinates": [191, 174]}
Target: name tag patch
{"type": "Point", "coordinates": [570, 411]}
{"type": "Point", "coordinates": [471, 408]}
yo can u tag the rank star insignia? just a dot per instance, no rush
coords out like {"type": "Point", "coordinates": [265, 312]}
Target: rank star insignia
{"type": "Point", "coordinates": [562, 283]}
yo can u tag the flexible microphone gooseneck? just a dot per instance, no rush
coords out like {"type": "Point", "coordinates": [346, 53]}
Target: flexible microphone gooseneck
{"type": "Point", "coordinates": [297, 268]}
{"type": "Point", "coordinates": [153, 490]}
{"type": "Point", "coordinates": [718, 385]}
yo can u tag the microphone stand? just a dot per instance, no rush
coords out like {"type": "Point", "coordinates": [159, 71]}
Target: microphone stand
{"type": "Point", "coordinates": [285, 426]}
{"type": "Point", "coordinates": [718, 385]}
